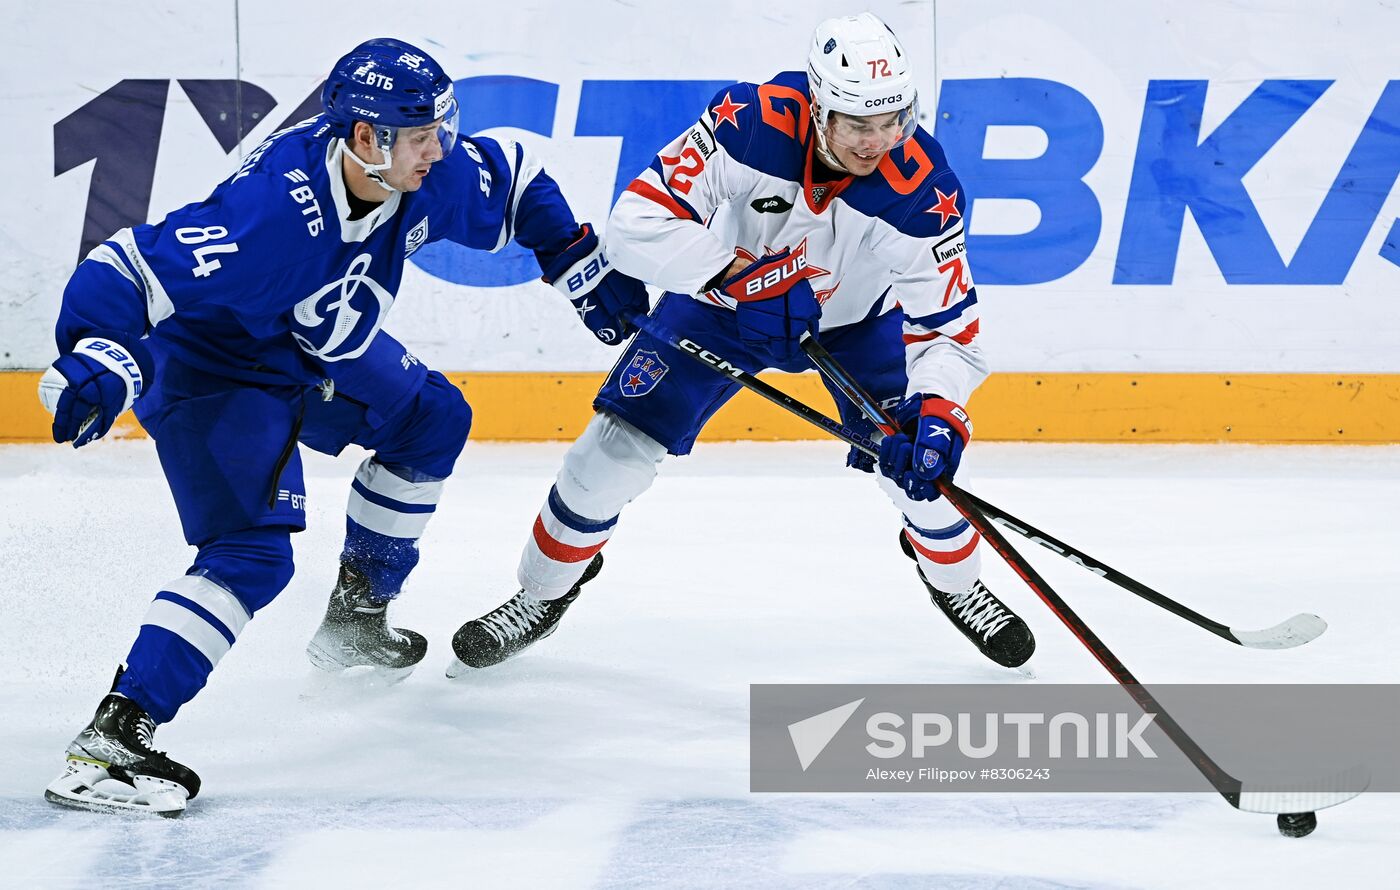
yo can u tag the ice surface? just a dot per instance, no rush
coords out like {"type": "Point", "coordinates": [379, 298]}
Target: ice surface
{"type": "Point", "coordinates": [616, 753]}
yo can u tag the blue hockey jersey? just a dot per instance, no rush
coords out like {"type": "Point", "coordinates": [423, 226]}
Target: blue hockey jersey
{"type": "Point", "coordinates": [268, 280]}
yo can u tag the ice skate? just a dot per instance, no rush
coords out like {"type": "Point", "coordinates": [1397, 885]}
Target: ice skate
{"type": "Point", "coordinates": [356, 633]}
{"type": "Point", "coordinates": [518, 623]}
{"type": "Point", "coordinates": [993, 628]}
{"type": "Point", "coordinates": [112, 767]}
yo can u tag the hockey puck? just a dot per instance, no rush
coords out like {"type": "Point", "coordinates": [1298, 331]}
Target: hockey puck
{"type": "Point", "coordinates": [1296, 824]}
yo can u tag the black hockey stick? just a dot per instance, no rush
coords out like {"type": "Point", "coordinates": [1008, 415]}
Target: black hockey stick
{"type": "Point", "coordinates": [1306, 797]}
{"type": "Point", "coordinates": [753, 384]}
{"type": "Point", "coordinates": [1301, 628]}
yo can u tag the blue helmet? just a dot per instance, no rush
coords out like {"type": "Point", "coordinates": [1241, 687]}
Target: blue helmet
{"type": "Point", "coordinates": [389, 84]}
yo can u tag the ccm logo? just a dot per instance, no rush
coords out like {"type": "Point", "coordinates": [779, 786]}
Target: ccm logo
{"type": "Point", "coordinates": [776, 276]}
{"type": "Point", "coordinates": [710, 358]}
{"type": "Point", "coordinates": [884, 100]}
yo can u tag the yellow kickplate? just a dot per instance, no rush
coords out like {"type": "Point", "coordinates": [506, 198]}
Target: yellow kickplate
{"type": "Point", "coordinates": [1259, 408]}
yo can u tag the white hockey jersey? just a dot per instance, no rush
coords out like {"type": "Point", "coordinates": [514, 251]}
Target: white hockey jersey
{"type": "Point", "coordinates": [740, 182]}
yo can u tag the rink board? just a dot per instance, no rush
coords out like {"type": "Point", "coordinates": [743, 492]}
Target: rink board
{"type": "Point", "coordinates": [1201, 189]}
{"type": "Point", "coordinates": [1259, 408]}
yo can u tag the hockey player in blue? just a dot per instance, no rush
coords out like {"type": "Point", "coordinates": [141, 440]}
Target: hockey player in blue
{"type": "Point", "coordinates": [252, 320]}
{"type": "Point", "coordinates": [810, 203]}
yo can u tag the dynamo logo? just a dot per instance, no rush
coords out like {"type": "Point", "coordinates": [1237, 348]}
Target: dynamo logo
{"type": "Point", "coordinates": [337, 330]}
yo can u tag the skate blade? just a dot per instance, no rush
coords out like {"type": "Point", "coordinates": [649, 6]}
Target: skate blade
{"type": "Point", "coordinates": [373, 674]}
{"type": "Point", "coordinates": [87, 786]}
{"type": "Point", "coordinates": [458, 668]}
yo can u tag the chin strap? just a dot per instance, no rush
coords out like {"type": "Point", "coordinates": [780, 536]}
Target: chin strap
{"type": "Point", "coordinates": [373, 171]}
{"type": "Point", "coordinates": [823, 153]}
{"type": "Point", "coordinates": [828, 158]}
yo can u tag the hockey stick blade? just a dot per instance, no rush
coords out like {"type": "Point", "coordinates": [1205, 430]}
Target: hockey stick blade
{"type": "Point", "coordinates": [1304, 797]}
{"type": "Point", "coordinates": [1253, 798]}
{"type": "Point", "coordinates": [1295, 631]}
{"type": "Point", "coordinates": [1301, 628]}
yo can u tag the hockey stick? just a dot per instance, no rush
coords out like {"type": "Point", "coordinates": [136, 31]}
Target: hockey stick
{"type": "Point", "coordinates": [721, 365]}
{"type": "Point", "coordinates": [1303, 798]}
{"type": "Point", "coordinates": [1301, 628]}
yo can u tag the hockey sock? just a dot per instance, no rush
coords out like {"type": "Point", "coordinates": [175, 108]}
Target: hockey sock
{"type": "Point", "coordinates": [611, 464]}
{"type": "Point", "coordinates": [561, 544]}
{"type": "Point", "coordinates": [195, 619]}
{"type": "Point", "coordinates": [944, 543]}
{"type": "Point", "coordinates": [388, 511]}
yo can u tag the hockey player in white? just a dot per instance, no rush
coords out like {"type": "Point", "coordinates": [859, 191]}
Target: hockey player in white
{"type": "Point", "coordinates": [813, 202]}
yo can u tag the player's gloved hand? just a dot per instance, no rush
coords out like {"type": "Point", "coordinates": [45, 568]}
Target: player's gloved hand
{"type": "Point", "coordinates": [934, 432]}
{"type": "Point", "coordinates": [855, 457]}
{"type": "Point", "coordinates": [602, 296]}
{"type": "Point", "coordinates": [87, 389]}
{"type": "Point", "coordinates": [776, 305]}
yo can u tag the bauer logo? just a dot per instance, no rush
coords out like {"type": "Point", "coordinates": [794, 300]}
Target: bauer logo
{"type": "Point", "coordinates": [1019, 737]}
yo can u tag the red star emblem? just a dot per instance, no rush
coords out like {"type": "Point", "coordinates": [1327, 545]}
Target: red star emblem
{"type": "Point", "coordinates": [813, 270]}
{"type": "Point", "coordinates": [946, 208]}
{"type": "Point", "coordinates": [726, 111]}
{"type": "Point", "coordinates": [635, 381]}
{"type": "Point", "coordinates": [824, 295]}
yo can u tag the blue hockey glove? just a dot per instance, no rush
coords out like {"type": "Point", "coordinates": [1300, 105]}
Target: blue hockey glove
{"type": "Point", "coordinates": [776, 305]}
{"type": "Point", "coordinates": [935, 432]}
{"type": "Point", "coordinates": [87, 389]}
{"type": "Point", "coordinates": [602, 296]}
{"type": "Point", "coordinates": [856, 458]}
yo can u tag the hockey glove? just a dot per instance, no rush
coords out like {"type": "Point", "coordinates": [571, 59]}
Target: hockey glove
{"type": "Point", "coordinates": [856, 458]}
{"type": "Point", "coordinates": [602, 296]}
{"type": "Point", "coordinates": [87, 389]}
{"type": "Point", "coordinates": [934, 433]}
{"type": "Point", "coordinates": [776, 305]}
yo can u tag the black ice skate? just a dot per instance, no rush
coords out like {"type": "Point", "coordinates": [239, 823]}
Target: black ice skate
{"type": "Point", "coordinates": [112, 767]}
{"type": "Point", "coordinates": [520, 622]}
{"type": "Point", "coordinates": [993, 628]}
{"type": "Point", "coordinates": [355, 633]}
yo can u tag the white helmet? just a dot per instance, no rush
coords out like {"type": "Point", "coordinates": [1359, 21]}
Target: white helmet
{"type": "Point", "coordinates": [857, 66]}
